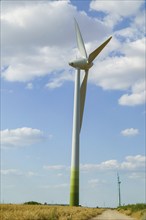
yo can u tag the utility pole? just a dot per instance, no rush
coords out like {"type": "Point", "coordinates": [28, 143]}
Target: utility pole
{"type": "Point", "coordinates": [119, 190]}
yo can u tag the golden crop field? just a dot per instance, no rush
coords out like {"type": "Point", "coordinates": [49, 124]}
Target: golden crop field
{"type": "Point", "coordinates": [137, 211]}
{"type": "Point", "coordinates": [45, 212]}
{"type": "Point", "coordinates": [139, 215]}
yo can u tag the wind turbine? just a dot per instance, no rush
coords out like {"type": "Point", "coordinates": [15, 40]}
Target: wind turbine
{"type": "Point", "coordinates": [84, 63]}
{"type": "Point", "coordinates": [119, 190]}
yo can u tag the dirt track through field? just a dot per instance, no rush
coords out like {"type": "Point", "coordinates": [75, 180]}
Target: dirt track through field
{"type": "Point", "coordinates": [112, 215]}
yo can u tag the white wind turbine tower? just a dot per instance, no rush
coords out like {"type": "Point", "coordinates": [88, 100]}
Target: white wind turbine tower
{"type": "Point", "coordinates": [84, 63]}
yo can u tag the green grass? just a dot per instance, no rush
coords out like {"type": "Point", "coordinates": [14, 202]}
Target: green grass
{"type": "Point", "coordinates": [134, 207]}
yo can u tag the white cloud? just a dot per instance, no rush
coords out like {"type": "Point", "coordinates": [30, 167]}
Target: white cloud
{"type": "Point", "coordinates": [133, 99]}
{"type": "Point", "coordinates": [16, 172]}
{"type": "Point", "coordinates": [135, 30]}
{"type": "Point", "coordinates": [63, 185]}
{"type": "Point", "coordinates": [95, 182]}
{"type": "Point", "coordinates": [137, 97]}
{"type": "Point", "coordinates": [134, 162]}
{"type": "Point", "coordinates": [113, 7]}
{"type": "Point", "coordinates": [122, 72]}
{"type": "Point", "coordinates": [110, 164]}
{"type": "Point", "coordinates": [57, 82]}
{"type": "Point", "coordinates": [136, 175]}
{"type": "Point", "coordinates": [106, 165]}
{"type": "Point", "coordinates": [21, 137]}
{"type": "Point", "coordinates": [114, 13]}
{"type": "Point", "coordinates": [32, 47]}
{"type": "Point", "coordinates": [29, 86]}
{"type": "Point", "coordinates": [126, 70]}
{"type": "Point", "coordinates": [11, 172]}
{"type": "Point", "coordinates": [131, 163]}
{"type": "Point", "coordinates": [31, 174]}
{"type": "Point", "coordinates": [59, 174]}
{"type": "Point", "coordinates": [130, 132]}
{"type": "Point", "coordinates": [54, 167]}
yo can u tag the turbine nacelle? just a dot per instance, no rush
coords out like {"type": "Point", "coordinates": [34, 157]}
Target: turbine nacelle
{"type": "Point", "coordinates": [81, 64]}
{"type": "Point", "coordinates": [86, 62]}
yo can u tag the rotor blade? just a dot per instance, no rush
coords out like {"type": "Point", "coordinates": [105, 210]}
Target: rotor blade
{"type": "Point", "coordinates": [83, 96]}
{"type": "Point", "coordinates": [94, 54]}
{"type": "Point", "coordinates": [80, 42]}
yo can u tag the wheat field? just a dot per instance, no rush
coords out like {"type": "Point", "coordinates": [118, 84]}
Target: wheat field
{"type": "Point", "coordinates": [45, 212]}
{"type": "Point", "coordinates": [137, 211]}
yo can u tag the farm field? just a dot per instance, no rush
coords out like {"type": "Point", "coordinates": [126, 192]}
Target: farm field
{"type": "Point", "coordinates": [137, 211]}
{"type": "Point", "coordinates": [45, 212]}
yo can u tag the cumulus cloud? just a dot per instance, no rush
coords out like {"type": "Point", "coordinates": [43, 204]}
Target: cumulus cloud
{"type": "Point", "coordinates": [131, 163]}
{"type": "Point", "coordinates": [21, 137]}
{"type": "Point", "coordinates": [133, 99]}
{"type": "Point", "coordinates": [114, 13]}
{"type": "Point", "coordinates": [126, 68]}
{"type": "Point", "coordinates": [137, 96]}
{"type": "Point", "coordinates": [123, 72]}
{"type": "Point", "coordinates": [130, 132]}
{"type": "Point", "coordinates": [106, 165]}
{"type": "Point", "coordinates": [134, 162]}
{"type": "Point", "coordinates": [113, 7]}
{"type": "Point", "coordinates": [32, 47]}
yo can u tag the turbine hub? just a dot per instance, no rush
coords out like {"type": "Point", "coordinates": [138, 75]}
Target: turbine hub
{"type": "Point", "coordinates": [71, 63]}
{"type": "Point", "coordinates": [82, 64]}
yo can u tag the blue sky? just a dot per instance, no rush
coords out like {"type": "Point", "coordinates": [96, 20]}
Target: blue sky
{"type": "Point", "coordinates": [37, 88]}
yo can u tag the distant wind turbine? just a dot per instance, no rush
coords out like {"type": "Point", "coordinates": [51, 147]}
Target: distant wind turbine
{"type": "Point", "coordinates": [119, 190]}
{"type": "Point", "coordinates": [84, 63]}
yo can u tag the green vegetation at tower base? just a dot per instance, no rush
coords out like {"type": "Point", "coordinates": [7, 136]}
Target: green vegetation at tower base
{"type": "Point", "coordinates": [137, 211]}
{"type": "Point", "coordinates": [32, 203]}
